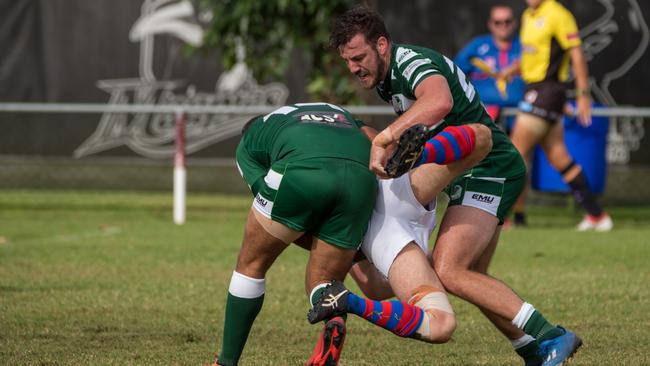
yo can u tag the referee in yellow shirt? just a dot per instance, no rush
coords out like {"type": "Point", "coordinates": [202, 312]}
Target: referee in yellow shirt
{"type": "Point", "coordinates": [550, 42]}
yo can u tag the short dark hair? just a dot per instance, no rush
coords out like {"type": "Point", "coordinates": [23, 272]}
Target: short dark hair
{"type": "Point", "coordinates": [357, 20]}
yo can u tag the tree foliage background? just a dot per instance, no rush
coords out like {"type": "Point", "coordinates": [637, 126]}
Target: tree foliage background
{"type": "Point", "coordinates": [271, 29]}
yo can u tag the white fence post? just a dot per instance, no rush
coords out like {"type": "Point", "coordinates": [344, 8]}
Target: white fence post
{"type": "Point", "coordinates": [180, 175]}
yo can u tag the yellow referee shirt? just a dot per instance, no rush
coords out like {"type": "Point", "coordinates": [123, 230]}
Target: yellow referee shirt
{"type": "Point", "coordinates": [546, 34]}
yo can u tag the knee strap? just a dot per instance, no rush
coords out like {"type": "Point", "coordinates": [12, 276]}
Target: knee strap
{"type": "Point", "coordinates": [429, 298]}
{"type": "Point", "coordinates": [568, 167]}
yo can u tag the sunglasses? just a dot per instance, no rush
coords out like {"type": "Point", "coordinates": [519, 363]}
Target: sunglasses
{"type": "Point", "coordinates": [502, 22]}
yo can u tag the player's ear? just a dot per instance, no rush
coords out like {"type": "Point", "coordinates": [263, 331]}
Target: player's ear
{"type": "Point", "coordinates": [382, 45]}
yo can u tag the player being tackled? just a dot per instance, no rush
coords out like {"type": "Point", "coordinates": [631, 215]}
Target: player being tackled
{"type": "Point", "coordinates": [414, 148]}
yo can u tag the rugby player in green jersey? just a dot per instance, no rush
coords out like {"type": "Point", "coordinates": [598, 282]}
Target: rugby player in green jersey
{"type": "Point", "coordinates": [426, 87]}
{"type": "Point", "coordinates": [306, 165]}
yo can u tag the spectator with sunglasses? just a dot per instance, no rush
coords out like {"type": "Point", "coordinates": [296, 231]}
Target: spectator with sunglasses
{"type": "Point", "coordinates": [491, 62]}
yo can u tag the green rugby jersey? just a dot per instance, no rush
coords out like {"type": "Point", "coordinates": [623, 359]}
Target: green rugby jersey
{"type": "Point", "coordinates": [410, 65]}
{"type": "Point", "coordinates": [297, 132]}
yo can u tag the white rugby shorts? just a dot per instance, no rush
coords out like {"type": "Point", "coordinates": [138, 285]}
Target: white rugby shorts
{"type": "Point", "coordinates": [398, 219]}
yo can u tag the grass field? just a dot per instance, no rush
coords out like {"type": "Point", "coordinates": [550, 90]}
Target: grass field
{"type": "Point", "coordinates": [98, 278]}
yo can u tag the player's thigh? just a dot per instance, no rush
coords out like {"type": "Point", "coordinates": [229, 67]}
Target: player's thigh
{"type": "Point", "coordinates": [555, 148]}
{"type": "Point", "coordinates": [327, 262]}
{"type": "Point", "coordinates": [527, 132]}
{"type": "Point", "coordinates": [372, 283]}
{"type": "Point", "coordinates": [260, 248]}
{"type": "Point", "coordinates": [484, 260]}
{"type": "Point", "coordinates": [476, 207]}
{"type": "Point", "coordinates": [464, 236]}
{"type": "Point", "coordinates": [410, 270]}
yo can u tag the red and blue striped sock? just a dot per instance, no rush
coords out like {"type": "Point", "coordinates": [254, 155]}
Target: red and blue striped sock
{"type": "Point", "coordinates": [450, 145]}
{"type": "Point", "coordinates": [397, 316]}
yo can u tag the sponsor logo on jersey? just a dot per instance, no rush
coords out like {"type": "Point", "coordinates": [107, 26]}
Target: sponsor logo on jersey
{"type": "Point", "coordinates": [328, 118]}
{"type": "Point", "coordinates": [404, 54]}
{"type": "Point", "coordinates": [410, 69]}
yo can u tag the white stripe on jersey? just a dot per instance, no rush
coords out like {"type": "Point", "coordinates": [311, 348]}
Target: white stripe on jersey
{"type": "Point", "coordinates": [451, 64]}
{"type": "Point", "coordinates": [273, 179]}
{"type": "Point", "coordinates": [282, 110]}
{"type": "Point", "coordinates": [420, 75]}
{"type": "Point", "coordinates": [327, 104]}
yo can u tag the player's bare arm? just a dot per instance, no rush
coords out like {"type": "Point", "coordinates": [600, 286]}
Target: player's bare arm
{"type": "Point", "coordinates": [433, 103]}
{"type": "Point", "coordinates": [581, 73]}
{"type": "Point", "coordinates": [370, 132]}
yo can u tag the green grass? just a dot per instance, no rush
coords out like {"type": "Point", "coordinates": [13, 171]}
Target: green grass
{"type": "Point", "coordinates": [106, 279]}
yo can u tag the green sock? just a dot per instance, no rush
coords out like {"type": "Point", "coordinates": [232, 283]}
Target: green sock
{"type": "Point", "coordinates": [538, 327]}
{"type": "Point", "coordinates": [529, 354]}
{"type": "Point", "coordinates": [240, 315]}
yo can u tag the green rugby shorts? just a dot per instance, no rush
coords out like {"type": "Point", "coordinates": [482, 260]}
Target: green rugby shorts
{"type": "Point", "coordinates": [493, 195]}
{"type": "Point", "coordinates": [329, 197]}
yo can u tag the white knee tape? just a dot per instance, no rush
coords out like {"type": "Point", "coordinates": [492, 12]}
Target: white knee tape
{"type": "Point", "coordinates": [435, 300]}
{"type": "Point", "coordinates": [424, 330]}
{"type": "Point", "coordinates": [246, 287]}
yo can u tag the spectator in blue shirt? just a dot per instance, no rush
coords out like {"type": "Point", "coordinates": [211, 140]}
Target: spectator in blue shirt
{"type": "Point", "coordinates": [491, 62]}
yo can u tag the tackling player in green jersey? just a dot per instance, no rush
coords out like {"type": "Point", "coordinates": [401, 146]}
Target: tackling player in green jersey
{"type": "Point", "coordinates": [306, 165]}
{"type": "Point", "coordinates": [426, 87]}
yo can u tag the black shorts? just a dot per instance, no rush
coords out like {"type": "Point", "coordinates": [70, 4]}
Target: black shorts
{"type": "Point", "coordinates": [545, 99]}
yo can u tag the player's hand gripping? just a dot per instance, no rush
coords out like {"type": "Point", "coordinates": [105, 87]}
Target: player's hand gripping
{"type": "Point", "coordinates": [380, 151]}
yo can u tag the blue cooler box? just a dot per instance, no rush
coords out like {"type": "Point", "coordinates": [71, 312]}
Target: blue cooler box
{"type": "Point", "coordinates": [587, 146]}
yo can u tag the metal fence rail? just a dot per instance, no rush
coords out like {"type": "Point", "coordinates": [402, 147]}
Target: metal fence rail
{"type": "Point", "coordinates": [238, 109]}
{"type": "Point", "coordinates": [625, 182]}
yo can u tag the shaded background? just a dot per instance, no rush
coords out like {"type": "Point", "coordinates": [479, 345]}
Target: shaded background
{"type": "Point", "coordinates": [57, 51]}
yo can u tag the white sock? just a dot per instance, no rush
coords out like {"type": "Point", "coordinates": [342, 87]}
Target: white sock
{"type": "Point", "coordinates": [520, 342]}
{"type": "Point", "coordinates": [246, 287]}
{"type": "Point", "coordinates": [523, 315]}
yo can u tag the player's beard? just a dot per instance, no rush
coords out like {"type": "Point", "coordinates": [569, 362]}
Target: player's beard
{"type": "Point", "coordinates": [376, 74]}
{"type": "Point", "coordinates": [381, 65]}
